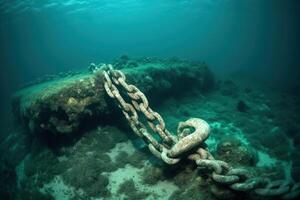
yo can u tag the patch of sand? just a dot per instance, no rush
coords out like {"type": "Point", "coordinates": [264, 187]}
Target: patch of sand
{"type": "Point", "coordinates": [162, 190]}
{"type": "Point", "coordinates": [58, 189]}
{"type": "Point", "coordinates": [123, 146]}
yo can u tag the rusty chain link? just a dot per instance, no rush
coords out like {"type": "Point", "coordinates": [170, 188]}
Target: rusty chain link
{"type": "Point", "coordinates": [173, 148]}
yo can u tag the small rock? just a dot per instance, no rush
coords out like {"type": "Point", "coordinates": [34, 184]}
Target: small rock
{"type": "Point", "coordinates": [242, 106]}
{"type": "Point", "coordinates": [233, 151]}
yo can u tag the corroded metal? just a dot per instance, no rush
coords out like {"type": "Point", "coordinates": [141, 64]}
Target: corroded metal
{"type": "Point", "coordinates": [192, 140]}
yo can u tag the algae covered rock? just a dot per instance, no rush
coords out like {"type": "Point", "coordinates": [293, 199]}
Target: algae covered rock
{"type": "Point", "coordinates": [65, 105]}
{"type": "Point", "coordinates": [235, 152]}
{"type": "Point", "coordinates": [167, 77]}
{"type": "Point", "coordinates": [62, 105]}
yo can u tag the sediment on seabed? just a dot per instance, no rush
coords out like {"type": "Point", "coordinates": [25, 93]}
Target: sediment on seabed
{"type": "Point", "coordinates": [72, 142]}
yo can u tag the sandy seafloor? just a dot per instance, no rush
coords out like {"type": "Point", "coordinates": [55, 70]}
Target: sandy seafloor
{"type": "Point", "coordinates": [105, 164]}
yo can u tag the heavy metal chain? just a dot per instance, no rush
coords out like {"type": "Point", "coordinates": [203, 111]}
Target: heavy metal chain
{"type": "Point", "coordinates": [187, 144]}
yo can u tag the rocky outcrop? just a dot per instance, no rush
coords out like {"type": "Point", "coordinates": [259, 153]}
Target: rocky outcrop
{"type": "Point", "coordinates": [64, 105]}
{"type": "Point", "coordinates": [60, 106]}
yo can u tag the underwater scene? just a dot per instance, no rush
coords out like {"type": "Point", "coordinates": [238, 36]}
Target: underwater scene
{"type": "Point", "coordinates": [149, 99]}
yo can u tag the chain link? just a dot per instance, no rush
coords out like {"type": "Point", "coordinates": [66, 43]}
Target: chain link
{"type": "Point", "coordinates": [173, 148]}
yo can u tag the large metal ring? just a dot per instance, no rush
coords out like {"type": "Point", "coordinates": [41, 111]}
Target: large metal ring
{"type": "Point", "coordinates": [188, 142]}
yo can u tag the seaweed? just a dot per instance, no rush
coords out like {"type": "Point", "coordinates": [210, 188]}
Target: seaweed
{"type": "Point", "coordinates": [152, 174]}
{"type": "Point", "coordinates": [122, 159]}
{"type": "Point", "coordinates": [42, 167]}
{"type": "Point", "coordinates": [138, 158]}
{"type": "Point", "coordinates": [192, 192]}
{"type": "Point", "coordinates": [129, 189]}
{"type": "Point", "coordinates": [86, 175]}
{"type": "Point", "coordinates": [8, 179]}
{"type": "Point", "coordinates": [33, 194]}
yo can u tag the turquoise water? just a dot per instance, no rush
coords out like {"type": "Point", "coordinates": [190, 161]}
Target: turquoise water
{"type": "Point", "coordinates": [227, 34]}
{"type": "Point", "coordinates": [231, 63]}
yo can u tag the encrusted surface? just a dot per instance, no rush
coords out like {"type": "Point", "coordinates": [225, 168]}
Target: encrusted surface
{"type": "Point", "coordinates": [60, 106]}
{"type": "Point", "coordinates": [64, 105]}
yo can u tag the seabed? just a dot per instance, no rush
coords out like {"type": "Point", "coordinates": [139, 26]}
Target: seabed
{"type": "Point", "coordinates": [71, 141]}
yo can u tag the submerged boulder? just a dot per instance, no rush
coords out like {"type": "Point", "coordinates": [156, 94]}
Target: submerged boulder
{"type": "Point", "coordinates": [64, 105]}
{"type": "Point", "coordinates": [233, 151]}
{"type": "Point", "coordinates": [60, 106]}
